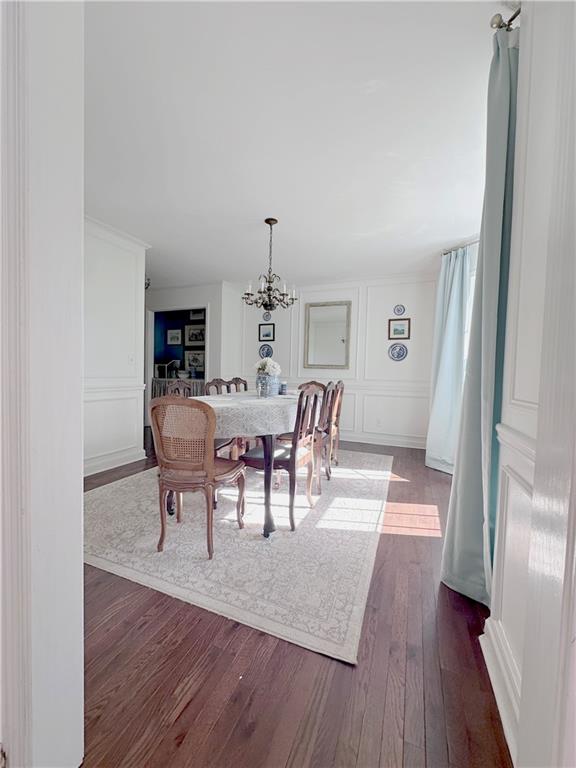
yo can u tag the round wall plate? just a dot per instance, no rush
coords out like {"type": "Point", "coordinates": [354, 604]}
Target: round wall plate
{"type": "Point", "coordinates": [265, 351]}
{"type": "Point", "coordinates": [267, 316]}
{"type": "Point", "coordinates": [399, 309]}
{"type": "Point", "coordinates": [397, 352]}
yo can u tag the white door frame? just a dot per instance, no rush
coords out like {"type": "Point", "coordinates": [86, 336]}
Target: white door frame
{"type": "Point", "coordinates": [41, 262]}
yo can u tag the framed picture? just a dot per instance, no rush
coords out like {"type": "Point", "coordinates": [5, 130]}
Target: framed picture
{"type": "Point", "coordinates": [194, 335]}
{"type": "Point", "coordinates": [174, 337]}
{"type": "Point", "coordinates": [266, 332]}
{"type": "Point", "coordinates": [399, 329]}
{"type": "Point", "coordinates": [193, 360]}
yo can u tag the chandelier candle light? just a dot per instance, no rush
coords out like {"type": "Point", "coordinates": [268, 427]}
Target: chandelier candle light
{"type": "Point", "coordinates": [268, 296]}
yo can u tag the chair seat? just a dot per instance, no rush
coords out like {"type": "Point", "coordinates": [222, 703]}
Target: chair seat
{"type": "Point", "coordinates": [225, 470]}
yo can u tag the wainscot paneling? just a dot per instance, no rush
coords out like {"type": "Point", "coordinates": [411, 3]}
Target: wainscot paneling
{"type": "Point", "coordinates": [114, 348]}
{"type": "Point", "coordinates": [385, 402]}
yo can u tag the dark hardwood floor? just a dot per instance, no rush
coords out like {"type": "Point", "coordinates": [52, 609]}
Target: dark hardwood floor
{"type": "Point", "coordinates": [171, 685]}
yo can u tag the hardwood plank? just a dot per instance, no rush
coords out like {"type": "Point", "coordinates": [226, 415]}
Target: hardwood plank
{"type": "Point", "coordinates": [434, 715]}
{"type": "Point", "coordinates": [414, 734]}
{"type": "Point", "coordinates": [205, 741]}
{"type": "Point", "coordinates": [391, 749]}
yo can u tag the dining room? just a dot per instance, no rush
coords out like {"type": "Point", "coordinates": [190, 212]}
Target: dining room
{"type": "Point", "coordinates": [287, 406]}
{"type": "Point", "coordinates": [264, 511]}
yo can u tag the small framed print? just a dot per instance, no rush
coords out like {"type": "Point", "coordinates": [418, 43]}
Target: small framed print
{"type": "Point", "coordinates": [193, 360]}
{"type": "Point", "coordinates": [174, 337]}
{"type": "Point", "coordinates": [399, 329]}
{"type": "Point", "coordinates": [266, 332]}
{"type": "Point", "coordinates": [194, 336]}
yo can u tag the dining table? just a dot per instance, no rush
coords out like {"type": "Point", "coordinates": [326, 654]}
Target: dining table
{"type": "Point", "coordinates": [244, 413]}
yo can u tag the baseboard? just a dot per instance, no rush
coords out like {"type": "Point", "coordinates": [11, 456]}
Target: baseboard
{"type": "Point", "coordinates": [505, 679]}
{"type": "Point", "coordinates": [396, 441]}
{"type": "Point", "coordinates": [113, 459]}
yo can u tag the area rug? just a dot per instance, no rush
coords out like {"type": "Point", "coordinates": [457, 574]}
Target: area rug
{"type": "Point", "coordinates": [308, 586]}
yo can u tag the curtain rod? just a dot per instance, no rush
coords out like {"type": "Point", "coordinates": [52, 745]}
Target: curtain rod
{"type": "Point", "coordinates": [460, 245]}
{"type": "Point", "coordinates": [497, 22]}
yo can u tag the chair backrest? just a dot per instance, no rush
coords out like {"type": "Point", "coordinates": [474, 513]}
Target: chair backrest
{"type": "Point", "coordinates": [183, 432]}
{"type": "Point", "coordinates": [328, 409]}
{"type": "Point", "coordinates": [180, 387]}
{"type": "Point", "coordinates": [339, 398]}
{"type": "Point", "coordinates": [307, 383]}
{"type": "Point", "coordinates": [308, 400]}
{"type": "Point", "coordinates": [216, 387]}
{"type": "Point", "coordinates": [239, 385]}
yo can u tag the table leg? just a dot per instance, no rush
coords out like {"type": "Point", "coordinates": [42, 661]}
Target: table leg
{"type": "Point", "coordinates": [268, 445]}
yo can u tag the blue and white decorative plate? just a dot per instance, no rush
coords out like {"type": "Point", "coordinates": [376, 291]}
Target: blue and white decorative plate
{"type": "Point", "coordinates": [397, 352]}
{"type": "Point", "coordinates": [265, 351]}
{"type": "Point", "coordinates": [267, 316]}
{"type": "Point", "coordinates": [399, 309]}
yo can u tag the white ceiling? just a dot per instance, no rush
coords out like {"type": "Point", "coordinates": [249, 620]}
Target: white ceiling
{"type": "Point", "coordinates": [360, 126]}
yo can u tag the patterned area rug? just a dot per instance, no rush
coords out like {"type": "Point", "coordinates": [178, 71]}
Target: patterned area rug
{"type": "Point", "coordinates": [308, 586]}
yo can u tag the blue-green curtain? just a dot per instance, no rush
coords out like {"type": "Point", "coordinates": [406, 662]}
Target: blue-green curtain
{"type": "Point", "coordinates": [450, 347]}
{"type": "Point", "coordinates": [469, 538]}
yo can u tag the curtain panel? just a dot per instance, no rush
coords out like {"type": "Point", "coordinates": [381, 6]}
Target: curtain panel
{"type": "Point", "coordinates": [450, 349]}
{"type": "Point", "coordinates": [469, 539]}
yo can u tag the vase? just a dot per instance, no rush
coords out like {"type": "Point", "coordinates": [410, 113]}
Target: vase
{"type": "Point", "coordinates": [267, 385]}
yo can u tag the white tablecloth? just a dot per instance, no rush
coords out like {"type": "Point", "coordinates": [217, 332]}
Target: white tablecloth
{"type": "Point", "coordinates": [242, 413]}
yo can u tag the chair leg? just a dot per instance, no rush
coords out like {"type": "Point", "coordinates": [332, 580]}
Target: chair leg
{"type": "Point", "coordinates": [179, 502]}
{"type": "Point", "coordinates": [328, 465]}
{"type": "Point", "coordinates": [210, 494]}
{"type": "Point", "coordinates": [309, 483]}
{"type": "Point", "coordinates": [163, 494]}
{"type": "Point", "coordinates": [336, 446]}
{"type": "Point", "coordinates": [318, 450]}
{"type": "Point", "coordinates": [292, 487]}
{"type": "Point", "coordinates": [240, 504]}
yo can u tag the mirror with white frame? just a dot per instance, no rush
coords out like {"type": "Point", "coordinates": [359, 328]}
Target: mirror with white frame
{"type": "Point", "coordinates": [327, 335]}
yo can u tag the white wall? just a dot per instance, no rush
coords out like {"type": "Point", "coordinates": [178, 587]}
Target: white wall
{"type": "Point", "coordinates": [42, 188]}
{"type": "Point", "coordinates": [513, 621]}
{"type": "Point", "coordinates": [114, 348]}
{"type": "Point", "coordinates": [231, 352]}
{"type": "Point", "coordinates": [385, 402]}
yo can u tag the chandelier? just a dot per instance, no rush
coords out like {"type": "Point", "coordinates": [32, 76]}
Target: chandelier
{"type": "Point", "coordinates": [269, 296]}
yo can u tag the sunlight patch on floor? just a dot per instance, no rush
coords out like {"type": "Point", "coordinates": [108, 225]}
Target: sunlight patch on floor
{"type": "Point", "coordinates": [345, 473]}
{"type": "Point", "coordinates": [352, 514]}
{"type": "Point", "coordinates": [407, 519]}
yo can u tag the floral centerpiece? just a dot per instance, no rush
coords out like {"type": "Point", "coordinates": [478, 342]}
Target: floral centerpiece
{"type": "Point", "coordinates": [267, 377]}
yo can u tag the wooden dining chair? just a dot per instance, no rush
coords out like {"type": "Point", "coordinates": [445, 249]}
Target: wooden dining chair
{"type": "Point", "coordinates": [182, 387]}
{"type": "Point", "coordinates": [238, 384]}
{"type": "Point", "coordinates": [299, 452]}
{"type": "Point", "coordinates": [183, 431]}
{"type": "Point", "coordinates": [323, 437]}
{"type": "Point", "coordinates": [216, 387]}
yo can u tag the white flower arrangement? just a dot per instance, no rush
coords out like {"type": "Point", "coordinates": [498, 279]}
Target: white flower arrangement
{"type": "Point", "coordinates": [268, 366]}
